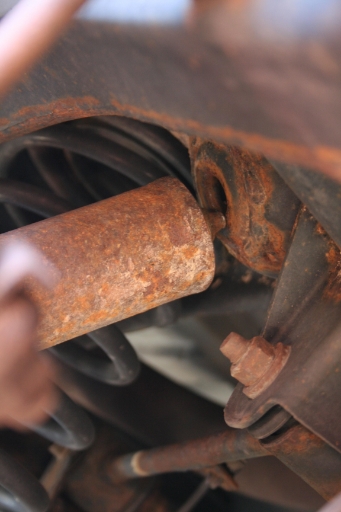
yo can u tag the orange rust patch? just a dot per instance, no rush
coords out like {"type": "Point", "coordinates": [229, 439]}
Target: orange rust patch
{"type": "Point", "coordinates": [323, 158]}
{"type": "Point", "coordinates": [332, 291]}
{"type": "Point", "coordinates": [31, 118]}
{"type": "Point", "coordinates": [100, 284]}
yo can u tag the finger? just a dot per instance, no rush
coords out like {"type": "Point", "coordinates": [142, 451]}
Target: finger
{"type": "Point", "coordinates": [32, 390]}
{"type": "Point", "coordinates": [17, 331]}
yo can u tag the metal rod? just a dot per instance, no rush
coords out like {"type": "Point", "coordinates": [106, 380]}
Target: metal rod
{"type": "Point", "coordinates": [119, 257]}
{"type": "Point", "coordinates": [230, 445]}
{"type": "Point", "coordinates": [27, 31]}
{"type": "Point", "coordinates": [195, 497]}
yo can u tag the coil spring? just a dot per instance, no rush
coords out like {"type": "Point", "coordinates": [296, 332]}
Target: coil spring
{"type": "Point", "coordinates": [53, 171]}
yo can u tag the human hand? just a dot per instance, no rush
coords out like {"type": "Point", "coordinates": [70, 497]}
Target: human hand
{"type": "Point", "coordinates": [27, 391]}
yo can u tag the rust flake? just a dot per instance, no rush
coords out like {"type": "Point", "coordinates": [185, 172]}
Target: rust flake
{"type": "Point", "coordinates": [332, 291]}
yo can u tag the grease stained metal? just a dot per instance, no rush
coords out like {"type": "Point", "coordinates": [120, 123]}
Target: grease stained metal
{"type": "Point", "coordinates": [119, 257]}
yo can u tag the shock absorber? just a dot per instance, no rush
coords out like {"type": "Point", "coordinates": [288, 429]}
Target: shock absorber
{"type": "Point", "coordinates": [82, 162]}
{"type": "Point", "coordinates": [119, 257]}
{"type": "Point", "coordinates": [112, 261]}
{"type": "Point", "coordinates": [115, 258]}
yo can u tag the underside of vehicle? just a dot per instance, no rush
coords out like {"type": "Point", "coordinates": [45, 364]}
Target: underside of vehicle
{"type": "Point", "coordinates": [185, 179]}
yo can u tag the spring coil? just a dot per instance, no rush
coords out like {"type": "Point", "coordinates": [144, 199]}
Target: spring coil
{"type": "Point", "coordinates": [53, 171]}
{"type": "Point", "coordinates": [74, 164]}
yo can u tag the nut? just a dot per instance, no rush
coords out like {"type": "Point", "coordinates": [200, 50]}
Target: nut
{"type": "Point", "coordinates": [255, 363]}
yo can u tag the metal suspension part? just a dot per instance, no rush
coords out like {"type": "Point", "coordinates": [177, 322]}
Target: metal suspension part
{"type": "Point", "coordinates": [124, 154]}
{"type": "Point", "coordinates": [119, 257]}
{"type": "Point", "coordinates": [26, 202]}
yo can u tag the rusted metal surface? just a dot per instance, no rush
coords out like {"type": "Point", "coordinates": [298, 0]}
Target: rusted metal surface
{"type": "Point", "coordinates": [230, 445]}
{"type": "Point", "coordinates": [22, 43]}
{"type": "Point", "coordinates": [255, 363]}
{"type": "Point", "coordinates": [280, 98]}
{"type": "Point", "coordinates": [304, 314]}
{"type": "Point", "coordinates": [319, 193]}
{"type": "Point", "coordinates": [186, 416]}
{"type": "Point", "coordinates": [309, 457]}
{"type": "Point", "coordinates": [260, 209]}
{"type": "Point", "coordinates": [119, 257]}
{"type": "Point", "coordinates": [89, 487]}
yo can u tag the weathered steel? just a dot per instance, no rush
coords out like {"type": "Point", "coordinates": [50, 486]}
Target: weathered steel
{"type": "Point", "coordinates": [119, 257]}
{"type": "Point", "coordinates": [255, 363]}
{"type": "Point", "coordinates": [230, 445]}
{"type": "Point", "coordinates": [319, 193]}
{"type": "Point", "coordinates": [186, 416]}
{"type": "Point", "coordinates": [259, 207]}
{"type": "Point", "coordinates": [309, 457]}
{"type": "Point", "coordinates": [305, 314]}
{"type": "Point", "coordinates": [90, 488]}
{"type": "Point", "coordinates": [299, 449]}
{"type": "Point", "coordinates": [276, 95]}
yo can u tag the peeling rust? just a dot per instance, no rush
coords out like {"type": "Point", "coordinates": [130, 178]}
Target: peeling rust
{"type": "Point", "coordinates": [119, 257]}
{"type": "Point", "coordinates": [332, 290]}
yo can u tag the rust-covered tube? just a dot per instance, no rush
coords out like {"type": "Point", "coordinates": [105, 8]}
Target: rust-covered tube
{"type": "Point", "coordinates": [119, 257]}
{"type": "Point", "coordinates": [230, 445]}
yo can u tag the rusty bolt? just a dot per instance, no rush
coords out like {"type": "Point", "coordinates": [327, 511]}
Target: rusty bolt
{"type": "Point", "coordinates": [256, 362]}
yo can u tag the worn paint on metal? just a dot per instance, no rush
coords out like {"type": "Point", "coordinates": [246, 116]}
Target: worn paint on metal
{"type": "Point", "coordinates": [118, 258]}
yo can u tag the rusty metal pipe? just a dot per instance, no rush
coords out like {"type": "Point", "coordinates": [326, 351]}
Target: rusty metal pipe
{"type": "Point", "coordinates": [118, 258]}
{"type": "Point", "coordinates": [230, 445]}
